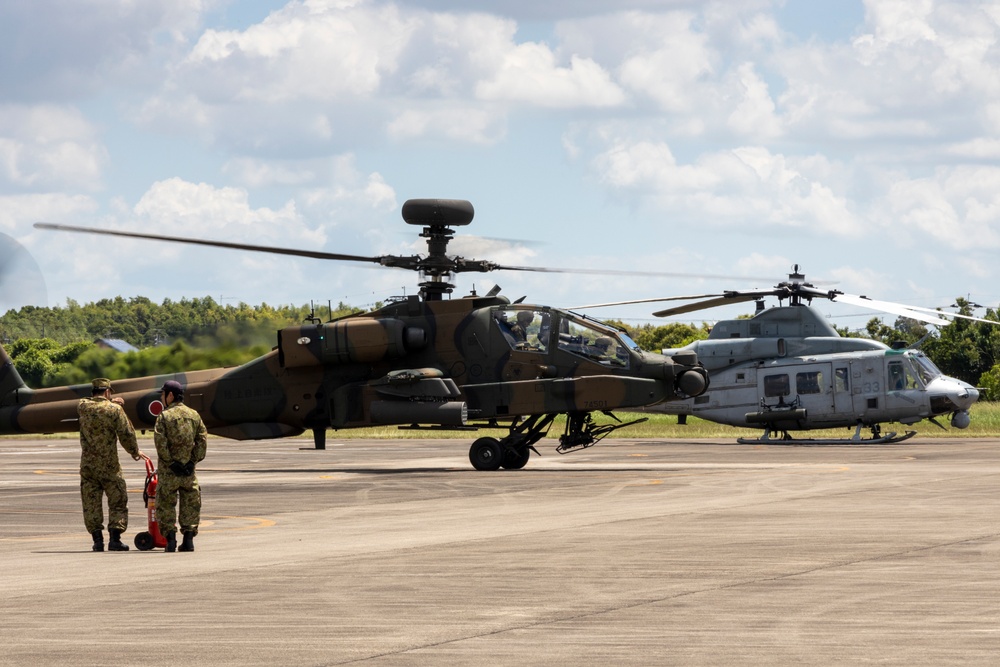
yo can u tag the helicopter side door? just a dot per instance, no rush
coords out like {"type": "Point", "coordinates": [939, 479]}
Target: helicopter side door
{"type": "Point", "coordinates": [811, 386]}
{"type": "Point", "coordinates": [904, 391]}
{"type": "Point", "coordinates": [868, 388]}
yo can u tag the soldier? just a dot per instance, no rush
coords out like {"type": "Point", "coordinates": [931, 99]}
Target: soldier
{"type": "Point", "coordinates": [181, 442]}
{"type": "Point", "coordinates": [520, 330]}
{"type": "Point", "coordinates": [103, 424]}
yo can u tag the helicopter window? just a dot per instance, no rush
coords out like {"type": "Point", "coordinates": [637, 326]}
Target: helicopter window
{"type": "Point", "coordinates": [523, 328]}
{"type": "Point", "coordinates": [629, 343]}
{"type": "Point", "coordinates": [776, 385]}
{"type": "Point", "coordinates": [840, 379]}
{"type": "Point", "coordinates": [601, 345]}
{"type": "Point", "coordinates": [901, 376]}
{"type": "Point", "coordinates": [809, 383]}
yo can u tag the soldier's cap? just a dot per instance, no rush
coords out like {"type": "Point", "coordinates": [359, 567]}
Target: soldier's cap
{"type": "Point", "coordinates": [101, 383]}
{"type": "Point", "coordinates": [172, 387]}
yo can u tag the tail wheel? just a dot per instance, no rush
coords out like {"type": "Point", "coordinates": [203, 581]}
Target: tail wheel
{"type": "Point", "coordinates": [486, 454]}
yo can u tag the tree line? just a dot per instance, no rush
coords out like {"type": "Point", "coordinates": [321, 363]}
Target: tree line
{"type": "Point", "coordinates": [55, 346]}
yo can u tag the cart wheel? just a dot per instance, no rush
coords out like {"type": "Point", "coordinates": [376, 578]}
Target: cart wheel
{"type": "Point", "coordinates": [143, 541]}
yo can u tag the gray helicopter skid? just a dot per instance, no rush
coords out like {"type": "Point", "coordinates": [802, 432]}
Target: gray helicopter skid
{"type": "Point", "coordinates": [886, 439]}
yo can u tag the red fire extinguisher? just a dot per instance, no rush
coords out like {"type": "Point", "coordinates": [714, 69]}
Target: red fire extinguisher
{"type": "Point", "coordinates": [145, 541]}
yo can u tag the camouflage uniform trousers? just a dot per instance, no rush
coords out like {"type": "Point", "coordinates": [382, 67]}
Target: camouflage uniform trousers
{"type": "Point", "coordinates": [168, 487]}
{"type": "Point", "coordinates": [92, 490]}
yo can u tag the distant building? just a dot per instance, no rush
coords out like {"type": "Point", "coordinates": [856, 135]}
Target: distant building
{"type": "Point", "coordinates": [115, 344]}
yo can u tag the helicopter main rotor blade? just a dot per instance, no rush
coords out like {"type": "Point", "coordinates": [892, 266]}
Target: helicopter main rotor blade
{"type": "Point", "coordinates": [456, 265]}
{"type": "Point", "coordinates": [635, 301]}
{"type": "Point", "coordinates": [890, 307]}
{"type": "Point", "coordinates": [213, 244]}
{"type": "Point", "coordinates": [626, 272]}
{"type": "Point", "coordinates": [947, 315]}
{"type": "Point", "coordinates": [725, 299]}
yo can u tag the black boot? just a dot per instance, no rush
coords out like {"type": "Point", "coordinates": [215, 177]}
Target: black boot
{"type": "Point", "coordinates": [171, 542]}
{"type": "Point", "coordinates": [115, 543]}
{"type": "Point", "coordinates": [98, 540]}
{"type": "Point", "coordinates": [188, 543]}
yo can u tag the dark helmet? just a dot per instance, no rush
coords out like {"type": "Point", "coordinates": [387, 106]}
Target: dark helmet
{"type": "Point", "coordinates": [173, 387]}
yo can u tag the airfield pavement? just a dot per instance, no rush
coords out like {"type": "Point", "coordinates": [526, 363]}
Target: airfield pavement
{"type": "Point", "coordinates": [633, 552]}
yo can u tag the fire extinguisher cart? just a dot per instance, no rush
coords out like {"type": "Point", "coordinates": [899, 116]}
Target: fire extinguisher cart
{"type": "Point", "coordinates": [152, 538]}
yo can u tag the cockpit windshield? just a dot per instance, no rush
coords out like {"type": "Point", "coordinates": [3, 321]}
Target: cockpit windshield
{"type": "Point", "coordinates": [595, 341]}
{"type": "Point", "coordinates": [925, 367]}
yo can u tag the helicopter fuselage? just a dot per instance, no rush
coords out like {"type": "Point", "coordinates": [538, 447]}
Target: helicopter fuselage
{"type": "Point", "coordinates": [829, 391]}
{"type": "Point", "coordinates": [444, 362]}
{"type": "Point", "coordinates": [788, 370]}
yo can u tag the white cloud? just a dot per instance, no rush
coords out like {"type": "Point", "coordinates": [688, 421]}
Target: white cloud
{"type": "Point", "coordinates": [748, 186]}
{"type": "Point", "coordinates": [531, 75]}
{"type": "Point", "coordinates": [957, 208]}
{"type": "Point", "coordinates": [19, 212]}
{"type": "Point", "coordinates": [753, 114]}
{"type": "Point", "coordinates": [44, 147]}
{"type": "Point", "coordinates": [177, 207]}
{"type": "Point", "coordinates": [305, 51]}
{"type": "Point", "coordinates": [466, 125]}
{"type": "Point", "coordinates": [58, 50]}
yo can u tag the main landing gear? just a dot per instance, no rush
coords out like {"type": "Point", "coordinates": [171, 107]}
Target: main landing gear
{"type": "Point", "coordinates": [877, 438]}
{"type": "Point", "coordinates": [513, 451]}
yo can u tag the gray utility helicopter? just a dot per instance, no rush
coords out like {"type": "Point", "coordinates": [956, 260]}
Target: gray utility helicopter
{"type": "Point", "coordinates": [420, 360]}
{"type": "Point", "coordinates": [786, 369]}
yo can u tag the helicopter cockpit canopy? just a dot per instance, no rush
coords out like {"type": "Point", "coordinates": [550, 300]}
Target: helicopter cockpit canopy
{"type": "Point", "coordinates": [595, 341]}
{"type": "Point", "coordinates": [913, 370]}
{"type": "Point", "coordinates": [530, 329]}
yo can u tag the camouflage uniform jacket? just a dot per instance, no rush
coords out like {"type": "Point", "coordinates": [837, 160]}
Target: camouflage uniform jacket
{"type": "Point", "coordinates": [180, 436]}
{"type": "Point", "coordinates": [102, 425]}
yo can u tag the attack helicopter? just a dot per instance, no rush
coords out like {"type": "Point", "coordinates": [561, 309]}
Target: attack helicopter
{"type": "Point", "coordinates": [786, 370]}
{"type": "Point", "coordinates": [419, 361]}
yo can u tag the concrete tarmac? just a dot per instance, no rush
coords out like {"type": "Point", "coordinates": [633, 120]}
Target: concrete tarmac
{"type": "Point", "coordinates": [632, 552]}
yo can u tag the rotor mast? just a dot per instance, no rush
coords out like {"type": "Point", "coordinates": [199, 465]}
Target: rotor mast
{"type": "Point", "coordinates": [437, 269]}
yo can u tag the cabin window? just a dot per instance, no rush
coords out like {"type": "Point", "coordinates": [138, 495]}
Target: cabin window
{"type": "Point", "coordinates": [809, 383]}
{"type": "Point", "coordinates": [901, 377]}
{"type": "Point", "coordinates": [840, 379]}
{"type": "Point", "coordinates": [776, 385]}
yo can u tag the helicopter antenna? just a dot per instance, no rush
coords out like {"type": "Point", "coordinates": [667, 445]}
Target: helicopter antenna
{"type": "Point", "coordinates": [312, 314]}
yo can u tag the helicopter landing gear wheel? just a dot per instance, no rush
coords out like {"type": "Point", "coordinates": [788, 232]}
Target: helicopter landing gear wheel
{"type": "Point", "coordinates": [486, 454]}
{"type": "Point", "coordinates": [515, 459]}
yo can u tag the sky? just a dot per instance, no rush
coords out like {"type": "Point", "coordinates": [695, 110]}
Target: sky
{"type": "Point", "coordinates": [857, 139]}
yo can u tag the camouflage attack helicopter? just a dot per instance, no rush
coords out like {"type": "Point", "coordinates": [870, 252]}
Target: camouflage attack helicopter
{"type": "Point", "coordinates": [786, 369]}
{"type": "Point", "coordinates": [420, 360]}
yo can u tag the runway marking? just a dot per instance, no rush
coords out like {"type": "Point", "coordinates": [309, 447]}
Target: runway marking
{"type": "Point", "coordinates": [257, 522]}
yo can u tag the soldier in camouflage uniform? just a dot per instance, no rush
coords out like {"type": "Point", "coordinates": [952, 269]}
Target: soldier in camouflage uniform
{"type": "Point", "coordinates": [181, 442]}
{"type": "Point", "coordinates": [103, 424]}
